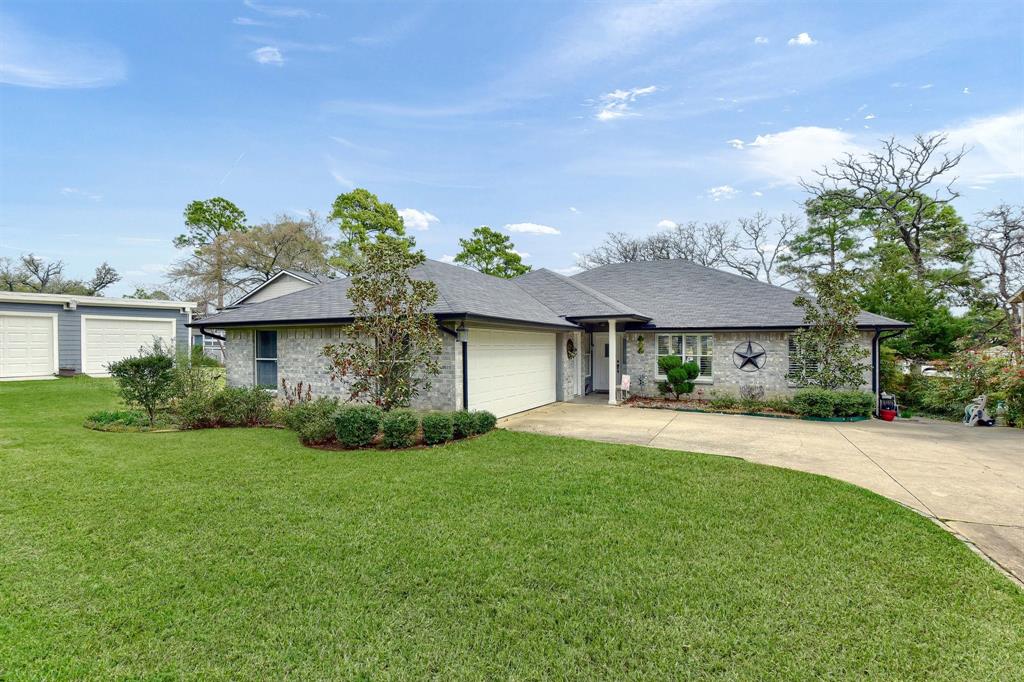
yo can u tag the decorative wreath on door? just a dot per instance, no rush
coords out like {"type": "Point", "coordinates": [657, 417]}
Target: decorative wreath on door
{"type": "Point", "coordinates": [570, 349]}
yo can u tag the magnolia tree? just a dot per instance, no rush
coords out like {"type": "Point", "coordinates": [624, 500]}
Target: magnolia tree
{"type": "Point", "coordinates": [392, 346]}
{"type": "Point", "coordinates": [828, 350]}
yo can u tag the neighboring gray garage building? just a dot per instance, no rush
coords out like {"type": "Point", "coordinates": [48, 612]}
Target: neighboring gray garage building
{"type": "Point", "coordinates": [43, 334]}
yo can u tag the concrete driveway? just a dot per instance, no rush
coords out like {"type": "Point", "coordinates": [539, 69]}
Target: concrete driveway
{"type": "Point", "coordinates": [969, 480]}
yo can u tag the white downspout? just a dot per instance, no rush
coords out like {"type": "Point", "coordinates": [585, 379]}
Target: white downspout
{"type": "Point", "coordinates": [612, 362]}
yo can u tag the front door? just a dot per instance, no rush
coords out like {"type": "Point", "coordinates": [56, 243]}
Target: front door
{"type": "Point", "coordinates": [601, 361]}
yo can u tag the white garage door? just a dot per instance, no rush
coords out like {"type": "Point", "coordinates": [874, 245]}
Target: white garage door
{"type": "Point", "coordinates": [27, 345]}
{"type": "Point", "coordinates": [510, 371]}
{"type": "Point", "coordinates": [109, 339]}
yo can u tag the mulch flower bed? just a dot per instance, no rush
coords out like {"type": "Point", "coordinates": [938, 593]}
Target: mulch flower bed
{"type": "Point", "coordinates": [693, 405]}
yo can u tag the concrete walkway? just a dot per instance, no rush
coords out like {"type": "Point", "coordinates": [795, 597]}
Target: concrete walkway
{"type": "Point", "coordinates": [971, 481]}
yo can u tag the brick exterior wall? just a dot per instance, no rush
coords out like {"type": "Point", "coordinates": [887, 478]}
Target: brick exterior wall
{"type": "Point", "coordinates": [726, 378]}
{"type": "Point", "coordinates": [569, 385]}
{"type": "Point", "coordinates": [299, 359]}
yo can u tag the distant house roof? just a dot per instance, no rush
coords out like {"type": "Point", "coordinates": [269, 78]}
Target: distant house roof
{"type": "Point", "coordinates": [74, 300]}
{"type": "Point", "coordinates": [1018, 297]}
{"type": "Point", "coordinates": [286, 272]}
{"type": "Point", "coordinates": [461, 293]}
{"type": "Point", "coordinates": [679, 294]}
{"type": "Point", "coordinates": [670, 294]}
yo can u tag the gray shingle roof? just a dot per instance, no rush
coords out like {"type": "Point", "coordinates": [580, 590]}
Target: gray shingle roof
{"type": "Point", "coordinates": [570, 298]}
{"type": "Point", "coordinates": [679, 294]}
{"type": "Point", "coordinates": [460, 292]}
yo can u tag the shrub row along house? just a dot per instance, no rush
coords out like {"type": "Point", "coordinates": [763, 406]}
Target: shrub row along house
{"type": "Point", "coordinates": [514, 344]}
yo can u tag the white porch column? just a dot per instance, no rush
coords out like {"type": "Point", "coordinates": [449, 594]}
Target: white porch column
{"type": "Point", "coordinates": [612, 362]}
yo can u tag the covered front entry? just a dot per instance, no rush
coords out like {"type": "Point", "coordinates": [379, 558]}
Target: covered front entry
{"type": "Point", "coordinates": [601, 367]}
{"type": "Point", "coordinates": [510, 370]}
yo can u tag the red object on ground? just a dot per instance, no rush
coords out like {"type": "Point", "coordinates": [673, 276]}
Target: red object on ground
{"type": "Point", "coordinates": [887, 415]}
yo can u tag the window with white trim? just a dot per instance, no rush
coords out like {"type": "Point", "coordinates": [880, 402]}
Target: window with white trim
{"type": "Point", "coordinates": [796, 366]}
{"type": "Point", "coordinates": [699, 348]}
{"type": "Point", "coordinates": [266, 359]}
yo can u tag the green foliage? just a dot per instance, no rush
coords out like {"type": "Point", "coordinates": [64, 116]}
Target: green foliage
{"type": "Point", "coordinates": [814, 402]}
{"type": "Point", "coordinates": [679, 375]}
{"type": "Point", "coordinates": [357, 425]}
{"type": "Point", "coordinates": [463, 424]}
{"type": "Point", "coordinates": [242, 406]}
{"type": "Point", "coordinates": [491, 253]}
{"type": "Point", "coordinates": [437, 427]}
{"type": "Point", "coordinates": [362, 219]}
{"type": "Point", "coordinates": [195, 387]}
{"type": "Point", "coordinates": [391, 349]}
{"type": "Point", "coordinates": [833, 239]}
{"type": "Point", "coordinates": [398, 428]}
{"type": "Point", "coordinates": [853, 404]}
{"type": "Point", "coordinates": [722, 402]}
{"type": "Point", "coordinates": [206, 220]}
{"type": "Point", "coordinates": [197, 358]}
{"type": "Point", "coordinates": [485, 421]}
{"type": "Point", "coordinates": [996, 374]}
{"type": "Point", "coordinates": [117, 420]}
{"type": "Point", "coordinates": [828, 350]}
{"type": "Point", "coordinates": [312, 420]}
{"type": "Point", "coordinates": [145, 380]}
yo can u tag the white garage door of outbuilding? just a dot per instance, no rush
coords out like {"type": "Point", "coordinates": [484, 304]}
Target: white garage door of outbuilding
{"type": "Point", "coordinates": [107, 339]}
{"type": "Point", "coordinates": [28, 345]}
{"type": "Point", "coordinates": [510, 371]}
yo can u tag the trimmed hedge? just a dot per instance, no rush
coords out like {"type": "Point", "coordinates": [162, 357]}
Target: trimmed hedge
{"type": "Point", "coordinates": [357, 425]}
{"type": "Point", "coordinates": [399, 428]}
{"type": "Point", "coordinates": [438, 427]}
{"type": "Point", "coordinates": [485, 421]}
{"type": "Point", "coordinates": [313, 420]}
{"type": "Point", "coordinates": [824, 404]}
{"type": "Point", "coordinates": [238, 406]}
{"type": "Point", "coordinates": [463, 424]}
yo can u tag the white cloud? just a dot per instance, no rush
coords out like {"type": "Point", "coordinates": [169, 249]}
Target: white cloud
{"type": "Point", "coordinates": [802, 39]}
{"type": "Point", "coordinates": [282, 11]}
{"type": "Point", "coordinates": [617, 103]}
{"type": "Point", "coordinates": [926, 86]}
{"type": "Point", "coordinates": [34, 60]}
{"type": "Point", "coordinates": [760, 40]}
{"type": "Point", "coordinates": [267, 55]}
{"type": "Point", "coordinates": [531, 228]}
{"type": "Point", "coordinates": [785, 157]}
{"type": "Point", "coordinates": [898, 84]}
{"type": "Point", "coordinates": [665, 224]}
{"type": "Point", "coordinates": [569, 271]}
{"type": "Point", "coordinates": [522, 254]}
{"type": "Point", "coordinates": [415, 219]}
{"type": "Point", "coordinates": [573, 209]}
{"type": "Point", "coordinates": [722, 192]}
{"type": "Point", "coordinates": [996, 144]}
{"type": "Point", "coordinates": [735, 143]}
{"type": "Point", "coordinates": [247, 21]}
{"type": "Point", "coordinates": [757, 194]}
{"type": "Point", "coordinates": [447, 259]}
{"type": "Point", "coordinates": [342, 180]}
{"type": "Point", "coordinates": [76, 192]}
{"type": "Point", "coordinates": [870, 117]}
{"type": "Point", "coordinates": [967, 91]}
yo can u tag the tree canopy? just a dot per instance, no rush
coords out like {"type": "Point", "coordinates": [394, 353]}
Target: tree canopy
{"type": "Point", "coordinates": [361, 218]}
{"type": "Point", "coordinates": [491, 253]}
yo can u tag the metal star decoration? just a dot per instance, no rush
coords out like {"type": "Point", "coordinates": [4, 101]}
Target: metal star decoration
{"type": "Point", "coordinates": [749, 357]}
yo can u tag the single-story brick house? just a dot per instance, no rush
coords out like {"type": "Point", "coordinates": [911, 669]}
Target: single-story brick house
{"type": "Point", "coordinates": [511, 345]}
{"type": "Point", "coordinates": [42, 335]}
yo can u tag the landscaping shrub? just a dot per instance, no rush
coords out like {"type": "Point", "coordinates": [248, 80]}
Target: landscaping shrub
{"type": "Point", "coordinates": [852, 404]}
{"type": "Point", "coordinates": [779, 404]}
{"type": "Point", "coordinates": [398, 428]}
{"type": "Point", "coordinates": [485, 421]}
{"type": "Point", "coordinates": [116, 420]}
{"type": "Point", "coordinates": [463, 424]}
{"type": "Point", "coordinates": [238, 406]}
{"type": "Point", "coordinates": [146, 380]}
{"type": "Point", "coordinates": [679, 375]}
{"type": "Point", "coordinates": [722, 402]}
{"type": "Point", "coordinates": [437, 427]}
{"type": "Point", "coordinates": [195, 387]}
{"type": "Point", "coordinates": [312, 420]}
{"type": "Point", "coordinates": [357, 425]}
{"type": "Point", "coordinates": [813, 402]}
{"type": "Point", "coordinates": [197, 358]}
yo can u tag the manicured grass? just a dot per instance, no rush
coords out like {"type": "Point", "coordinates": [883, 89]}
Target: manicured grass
{"type": "Point", "coordinates": [239, 554]}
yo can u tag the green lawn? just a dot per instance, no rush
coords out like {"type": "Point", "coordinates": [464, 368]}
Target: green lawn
{"type": "Point", "coordinates": [239, 554]}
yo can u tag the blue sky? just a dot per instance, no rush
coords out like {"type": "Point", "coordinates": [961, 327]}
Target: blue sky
{"type": "Point", "coordinates": [556, 121]}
